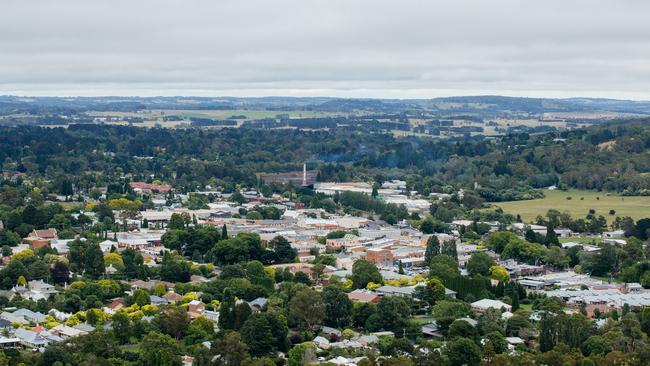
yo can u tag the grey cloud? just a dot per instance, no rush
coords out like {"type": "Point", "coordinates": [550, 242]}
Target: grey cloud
{"type": "Point", "coordinates": [372, 48]}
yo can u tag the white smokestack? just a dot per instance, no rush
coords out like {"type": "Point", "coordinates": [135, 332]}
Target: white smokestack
{"type": "Point", "coordinates": [304, 174]}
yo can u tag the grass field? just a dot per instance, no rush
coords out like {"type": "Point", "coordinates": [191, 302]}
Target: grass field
{"type": "Point", "coordinates": [214, 114]}
{"type": "Point", "coordinates": [582, 240]}
{"type": "Point", "coordinates": [579, 204]}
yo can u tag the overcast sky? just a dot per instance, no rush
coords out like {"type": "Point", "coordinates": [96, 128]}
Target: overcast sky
{"type": "Point", "coordinates": [369, 48]}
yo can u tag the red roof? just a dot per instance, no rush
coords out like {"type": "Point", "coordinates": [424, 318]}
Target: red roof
{"type": "Point", "coordinates": [44, 234]}
{"type": "Point", "coordinates": [363, 296]}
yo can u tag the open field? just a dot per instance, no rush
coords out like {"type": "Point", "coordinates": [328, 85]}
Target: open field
{"type": "Point", "coordinates": [579, 204]}
{"type": "Point", "coordinates": [214, 114]}
{"type": "Point", "coordinates": [582, 240]}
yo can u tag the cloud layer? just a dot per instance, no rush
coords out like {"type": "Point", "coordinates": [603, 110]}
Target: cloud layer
{"type": "Point", "coordinates": [371, 48]}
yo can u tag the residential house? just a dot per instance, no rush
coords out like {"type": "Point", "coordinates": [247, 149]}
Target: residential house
{"type": "Point", "coordinates": [31, 339]}
{"type": "Point", "coordinates": [172, 297]}
{"type": "Point", "coordinates": [30, 316]}
{"type": "Point", "coordinates": [66, 332]}
{"type": "Point", "coordinates": [258, 304]}
{"type": "Point", "coordinates": [195, 308]}
{"type": "Point", "coordinates": [41, 238]}
{"type": "Point", "coordinates": [12, 342]}
{"type": "Point", "coordinates": [481, 306]}
{"type": "Point", "coordinates": [158, 301]}
{"type": "Point", "coordinates": [361, 295]}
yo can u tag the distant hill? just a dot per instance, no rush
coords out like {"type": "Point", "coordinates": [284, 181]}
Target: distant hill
{"type": "Point", "coordinates": [476, 105]}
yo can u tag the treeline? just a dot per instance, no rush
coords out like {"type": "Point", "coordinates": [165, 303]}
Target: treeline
{"type": "Point", "coordinates": [503, 169]}
{"type": "Point", "coordinates": [389, 212]}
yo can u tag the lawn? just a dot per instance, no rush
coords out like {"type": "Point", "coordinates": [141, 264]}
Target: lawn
{"type": "Point", "coordinates": [579, 204]}
{"type": "Point", "coordinates": [582, 240]}
{"type": "Point", "coordinates": [527, 307]}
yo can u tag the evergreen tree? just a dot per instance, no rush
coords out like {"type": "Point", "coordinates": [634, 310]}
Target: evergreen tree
{"type": "Point", "coordinates": [227, 311]}
{"type": "Point", "coordinates": [257, 333]}
{"type": "Point", "coordinates": [547, 333]}
{"type": "Point", "coordinates": [241, 314]}
{"type": "Point", "coordinates": [284, 253]}
{"type": "Point", "coordinates": [94, 261]}
{"type": "Point", "coordinates": [449, 248]}
{"type": "Point", "coordinates": [338, 307]}
{"type": "Point", "coordinates": [224, 232]}
{"type": "Point", "coordinates": [515, 301]}
{"type": "Point", "coordinates": [433, 249]}
{"type": "Point", "coordinates": [551, 237]}
{"type": "Point", "coordinates": [400, 269]}
{"type": "Point", "coordinates": [60, 273]}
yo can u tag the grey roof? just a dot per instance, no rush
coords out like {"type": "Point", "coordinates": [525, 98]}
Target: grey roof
{"type": "Point", "coordinates": [84, 327]}
{"type": "Point", "coordinates": [30, 337]}
{"type": "Point", "coordinates": [393, 290]}
{"type": "Point", "coordinates": [330, 330]}
{"type": "Point", "coordinates": [30, 315]}
{"type": "Point", "coordinates": [471, 321]}
{"type": "Point", "coordinates": [259, 302]}
{"type": "Point", "coordinates": [157, 300]}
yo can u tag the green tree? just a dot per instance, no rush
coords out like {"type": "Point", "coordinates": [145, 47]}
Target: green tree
{"type": "Point", "coordinates": [479, 264]}
{"type": "Point", "coordinates": [427, 226]}
{"type": "Point", "coordinates": [59, 273]}
{"type": "Point", "coordinates": [307, 308]}
{"type": "Point", "coordinates": [302, 354]}
{"type": "Point", "coordinates": [242, 312]}
{"type": "Point", "coordinates": [443, 266]}
{"type": "Point", "coordinates": [256, 332]}
{"type": "Point", "coordinates": [178, 221]}
{"type": "Point", "coordinates": [515, 301]}
{"type": "Point", "coordinates": [449, 248]}
{"type": "Point", "coordinates": [227, 310]}
{"type": "Point", "coordinates": [497, 341]}
{"type": "Point", "coordinates": [158, 349]}
{"type": "Point", "coordinates": [338, 307]}
{"type": "Point", "coordinates": [232, 349]}
{"type": "Point", "coordinates": [284, 253]}
{"type": "Point", "coordinates": [433, 249]}
{"type": "Point", "coordinates": [173, 321]}
{"type": "Point", "coordinates": [595, 345]}
{"type": "Point", "coordinates": [393, 312]}
{"type": "Point", "coordinates": [224, 231]}
{"type": "Point", "coordinates": [121, 327]}
{"type": "Point", "coordinates": [498, 240]}
{"type": "Point", "coordinates": [461, 328]}
{"type": "Point", "coordinates": [556, 257]}
{"type": "Point", "coordinates": [431, 292]}
{"type": "Point", "coordinates": [8, 238]}
{"type": "Point", "coordinates": [174, 269]}
{"type": "Point", "coordinates": [364, 272]}
{"type": "Point", "coordinates": [462, 352]}
{"type": "Point", "coordinates": [141, 297]}
{"type": "Point", "coordinates": [94, 261]}
{"type": "Point", "coordinates": [133, 264]}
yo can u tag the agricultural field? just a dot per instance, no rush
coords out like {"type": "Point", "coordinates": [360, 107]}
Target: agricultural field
{"type": "Point", "coordinates": [579, 204]}
{"type": "Point", "coordinates": [214, 114]}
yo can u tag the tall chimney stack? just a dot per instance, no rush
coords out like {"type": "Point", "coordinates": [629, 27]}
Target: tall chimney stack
{"type": "Point", "coordinates": [304, 174]}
